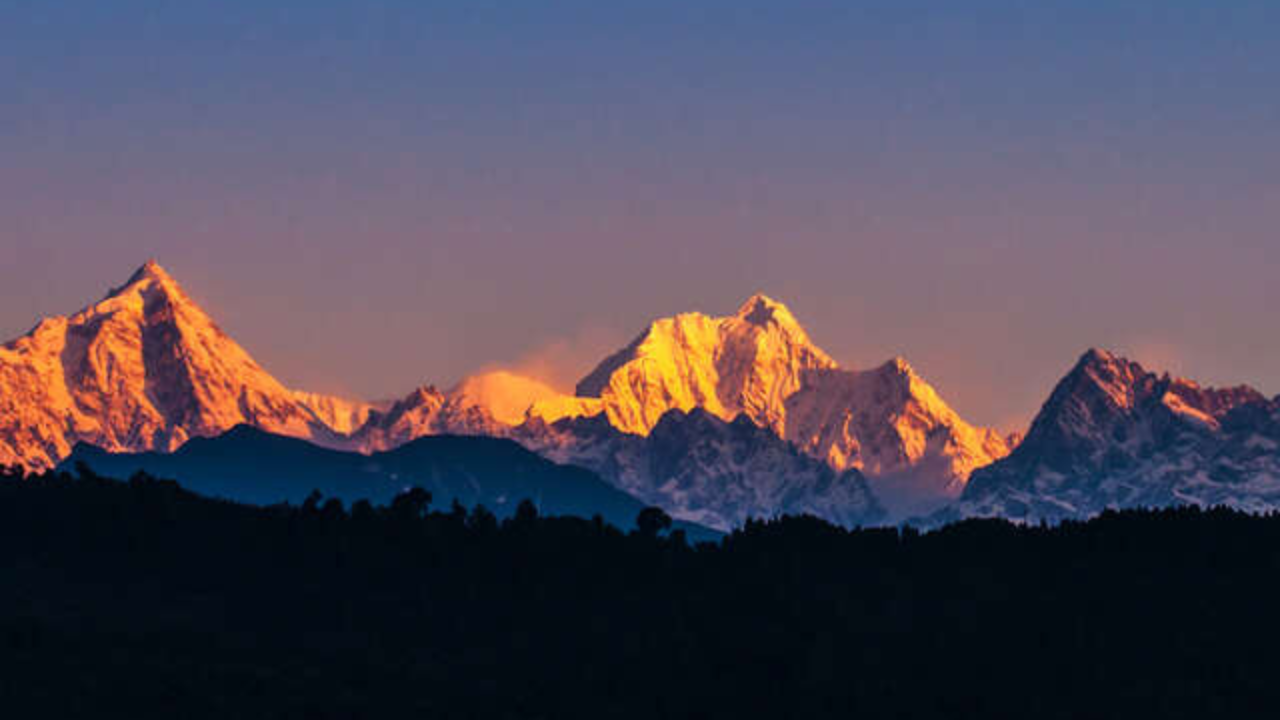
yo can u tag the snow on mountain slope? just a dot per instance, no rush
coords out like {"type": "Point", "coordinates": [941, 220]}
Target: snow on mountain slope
{"type": "Point", "coordinates": [505, 395]}
{"type": "Point", "coordinates": [147, 369]}
{"type": "Point", "coordinates": [1113, 435]}
{"type": "Point", "coordinates": [550, 410]}
{"type": "Point", "coordinates": [888, 422]}
{"type": "Point", "coordinates": [759, 363]}
{"type": "Point", "coordinates": [491, 404]}
{"type": "Point", "coordinates": [341, 415]}
{"type": "Point", "coordinates": [511, 399]}
{"type": "Point", "coordinates": [414, 416]}
{"type": "Point", "coordinates": [705, 470]}
{"type": "Point", "coordinates": [143, 369]}
{"type": "Point", "coordinates": [749, 362]}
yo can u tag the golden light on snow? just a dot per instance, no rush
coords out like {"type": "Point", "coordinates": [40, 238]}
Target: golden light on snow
{"type": "Point", "coordinates": [147, 368]}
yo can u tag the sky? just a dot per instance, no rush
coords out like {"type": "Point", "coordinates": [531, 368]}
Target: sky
{"type": "Point", "coordinates": [374, 195]}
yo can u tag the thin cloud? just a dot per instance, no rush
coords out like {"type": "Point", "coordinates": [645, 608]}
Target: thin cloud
{"type": "Point", "coordinates": [562, 362]}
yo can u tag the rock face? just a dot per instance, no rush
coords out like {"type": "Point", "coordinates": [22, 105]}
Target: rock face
{"type": "Point", "coordinates": [705, 470]}
{"type": "Point", "coordinates": [1113, 435]}
{"type": "Point", "coordinates": [760, 363]}
{"type": "Point", "coordinates": [143, 369]}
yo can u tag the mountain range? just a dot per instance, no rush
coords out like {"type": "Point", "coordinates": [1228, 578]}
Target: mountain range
{"type": "Point", "coordinates": [249, 465]}
{"type": "Point", "coordinates": [1114, 435]}
{"type": "Point", "coordinates": [701, 468]}
{"type": "Point", "coordinates": [715, 419]}
{"type": "Point", "coordinates": [759, 363]}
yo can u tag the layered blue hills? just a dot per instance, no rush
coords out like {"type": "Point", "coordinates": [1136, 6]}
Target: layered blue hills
{"type": "Point", "coordinates": [251, 466]}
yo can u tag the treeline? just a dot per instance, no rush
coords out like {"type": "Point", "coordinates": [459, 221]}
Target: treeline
{"type": "Point", "coordinates": [137, 599]}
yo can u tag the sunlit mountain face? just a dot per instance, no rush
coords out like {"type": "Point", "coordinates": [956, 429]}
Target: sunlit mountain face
{"type": "Point", "coordinates": [887, 422]}
{"type": "Point", "coordinates": [716, 419]}
{"type": "Point", "coordinates": [144, 369]}
{"type": "Point", "coordinates": [148, 369]}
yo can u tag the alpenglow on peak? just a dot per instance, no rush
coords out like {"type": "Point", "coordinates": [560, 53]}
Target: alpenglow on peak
{"type": "Point", "coordinates": [153, 270]}
{"type": "Point", "coordinates": [761, 364]}
{"type": "Point", "coordinates": [748, 362]}
{"type": "Point", "coordinates": [760, 309]}
{"type": "Point", "coordinates": [143, 369]}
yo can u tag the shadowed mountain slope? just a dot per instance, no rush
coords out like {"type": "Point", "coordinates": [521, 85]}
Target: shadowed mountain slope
{"type": "Point", "coordinates": [252, 466]}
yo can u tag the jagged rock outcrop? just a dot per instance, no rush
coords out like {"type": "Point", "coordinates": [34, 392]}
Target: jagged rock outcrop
{"type": "Point", "coordinates": [1114, 435]}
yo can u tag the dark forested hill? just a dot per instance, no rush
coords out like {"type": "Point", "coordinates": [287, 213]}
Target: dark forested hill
{"type": "Point", "coordinates": [252, 466]}
{"type": "Point", "coordinates": [141, 600]}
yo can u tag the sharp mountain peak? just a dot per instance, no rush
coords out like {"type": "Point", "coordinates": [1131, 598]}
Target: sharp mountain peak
{"type": "Point", "coordinates": [1114, 434]}
{"type": "Point", "coordinates": [151, 270]}
{"type": "Point", "coordinates": [760, 309]}
{"type": "Point", "coordinates": [898, 365]}
{"type": "Point", "coordinates": [149, 275]}
{"type": "Point", "coordinates": [143, 369]}
{"type": "Point", "coordinates": [1110, 369]}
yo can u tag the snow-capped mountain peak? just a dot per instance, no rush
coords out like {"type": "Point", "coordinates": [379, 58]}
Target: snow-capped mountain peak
{"type": "Point", "coordinates": [760, 362]}
{"type": "Point", "coordinates": [747, 362]}
{"type": "Point", "coordinates": [144, 368]}
{"type": "Point", "coordinates": [893, 426]}
{"type": "Point", "coordinates": [1104, 390]}
{"type": "Point", "coordinates": [151, 270]}
{"type": "Point", "coordinates": [1113, 434]}
{"type": "Point", "coordinates": [761, 310]}
{"type": "Point", "coordinates": [1115, 377]}
{"type": "Point", "coordinates": [490, 403]}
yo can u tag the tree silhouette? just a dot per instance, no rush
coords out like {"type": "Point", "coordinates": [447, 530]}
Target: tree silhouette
{"type": "Point", "coordinates": [411, 504]}
{"type": "Point", "coordinates": [651, 521]}
{"type": "Point", "coordinates": [142, 600]}
{"type": "Point", "coordinates": [526, 513]}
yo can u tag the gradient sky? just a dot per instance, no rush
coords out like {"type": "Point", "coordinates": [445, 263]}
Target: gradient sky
{"type": "Point", "coordinates": [371, 195]}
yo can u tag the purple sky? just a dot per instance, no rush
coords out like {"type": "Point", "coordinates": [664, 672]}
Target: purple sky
{"type": "Point", "coordinates": [374, 195]}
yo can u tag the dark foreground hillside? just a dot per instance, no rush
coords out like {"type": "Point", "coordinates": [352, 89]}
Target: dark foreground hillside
{"type": "Point", "coordinates": [140, 600]}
